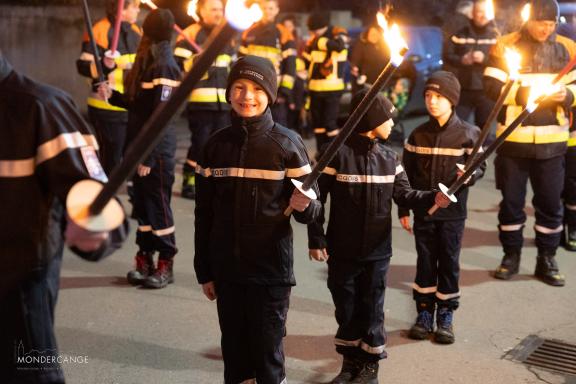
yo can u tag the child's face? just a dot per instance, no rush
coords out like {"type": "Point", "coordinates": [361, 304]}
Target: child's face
{"type": "Point", "coordinates": [436, 104]}
{"type": "Point", "coordinates": [248, 99]}
{"type": "Point", "coordinates": [383, 130]}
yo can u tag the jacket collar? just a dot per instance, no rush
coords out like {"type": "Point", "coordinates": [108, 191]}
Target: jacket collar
{"type": "Point", "coordinates": [253, 126]}
{"type": "Point", "coordinates": [454, 119]}
{"type": "Point", "coordinates": [363, 142]}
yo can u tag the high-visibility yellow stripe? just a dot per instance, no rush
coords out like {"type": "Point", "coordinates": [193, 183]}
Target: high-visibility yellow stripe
{"type": "Point", "coordinates": [572, 142]}
{"type": "Point", "coordinates": [424, 290]}
{"type": "Point", "coordinates": [289, 52]}
{"type": "Point", "coordinates": [207, 95]}
{"type": "Point", "coordinates": [323, 43]}
{"type": "Point", "coordinates": [434, 150]}
{"type": "Point", "coordinates": [101, 104]}
{"type": "Point", "coordinates": [297, 172]}
{"type": "Point", "coordinates": [46, 151]}
{"type": "Point", "coordinates": [325, 85]}
{"type": "Point", "coordinates": [536, 134]}
{"type": "Point", "coordinates": [372, 350]}
{"type": "Point", "coordinates": [496, 73]}
{"type": "Point", "coordinates": [159, 81]}
{"type": "Point", "coordinates": [447, 296]}
{"type": "Point", "coordinates": [365, 179]}
{"type": "Point", "coordinates": [287, 82]}
{"type": "Point", "coordinates": [330, 171]}
{"type": "Point", "coordinates": [125, 61]}
{"type": "Point", "coordinates": [183, 52]}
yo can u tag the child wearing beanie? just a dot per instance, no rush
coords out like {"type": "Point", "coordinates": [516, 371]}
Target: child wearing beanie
{"type": "Point", "coordinates": [432, 154]}
{"type": "Point", "coordinates": [150, 83]}
{"type": "Point", "coordinates": [362, 180]}
{"type": "Point", "coordinates": [243, 239]}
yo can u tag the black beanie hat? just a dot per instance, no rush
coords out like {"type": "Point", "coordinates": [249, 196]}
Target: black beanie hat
{"type": "Point", "coordinates": [158, 25]}
{"type": "Point", "coordinates": [380, 111]}
{"type": "Point", "coordinates": [318, 20]}
{"type": "Point", "coordinates": [258, 69]}
{"type": "Point", "coordinates": [446, 84]}
{"type": "Point", "coordinates": [544, 10]}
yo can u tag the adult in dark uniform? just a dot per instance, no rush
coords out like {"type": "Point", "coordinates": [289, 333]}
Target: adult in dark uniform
{"type": "Point", "coordinates": [45, 149]}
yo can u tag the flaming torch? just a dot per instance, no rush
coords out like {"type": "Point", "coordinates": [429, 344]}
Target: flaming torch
{"type": "Point", "coordinates": [398, 49]}
{"type": "Point", "coordinates": [192, 5]}
{"type": "Point", "coordinates": [525, 13]}
{"type": "Point", "coordinates": [179, 30]}
{"type": "Point", "coordinates": [489, 10]}
{"type": "Point", "coordinates": [537, 95]}
{"type": "Point", "coordinates": [238, 17]}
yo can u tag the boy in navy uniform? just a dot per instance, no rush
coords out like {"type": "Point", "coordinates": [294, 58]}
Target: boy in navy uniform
{"type": "Point", "coordinates": [362, 180]}
{"type": "Point", "coordinates": [431, 155]}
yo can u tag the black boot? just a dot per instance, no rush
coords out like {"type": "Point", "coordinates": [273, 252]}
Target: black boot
{"type": "Point", "coordinates": [444, 330]}
{"type": "Point", "coordinates": [368, 374]}
{"type": "Point", "coordinates": [570, 238]}
{"type": "Point", "coordinates": [424, 324]}
{"type": "Point", "coordinates": [509, 265]}
{"type": "Point", "coordinates": [350, 368]}
{"type": "Point", "coordinates": [163, 275]}
{"type": "Point", "coordinates": [144, 268]}
{"type": "Point", "coordinates": [188, 183]}
{"type": "Point", "coordinates": [547, 269]}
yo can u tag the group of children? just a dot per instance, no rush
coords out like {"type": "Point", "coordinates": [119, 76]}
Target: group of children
{"type": "Point", "coordinates": [243, 238]}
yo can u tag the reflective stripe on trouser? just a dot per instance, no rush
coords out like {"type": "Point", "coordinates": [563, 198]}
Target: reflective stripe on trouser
{"type": "Point", "coordinates": [569, 194]}
{"type": "Point", "coordinates": [358, 293]}
{"type": "Point", "coordinates": [253, 324]}
{"type": "Point", "coordinates": [27, 324]}
{"type": "Point", "coordinates": [152, 196]}
{"type": "Point", "coordinates": [202, 124]}
{"type": "Point", "coordinates": [110, 129]}
{"type": "Point", "coordinates": [438, 245]}
{"type": "Point", "coordinates": [324, 111]}
{"type": "Point", "coordinates": [547, 180]}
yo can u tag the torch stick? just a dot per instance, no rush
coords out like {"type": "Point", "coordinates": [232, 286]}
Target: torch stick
{"type": "Point", "coordinates": [93, 45]}
{"type": "Point", "coordinates": [488, 124]}
{"type": "Point", "coordinates": [353, 120]}
{"type": "Point", "coordinates": [156, 124]}
{"type": "Point", "coordinates": [117, 26]}
{"type": "Point", "coordinates": [475, 163]}
{"type": "Point", "coordinates": [176, 28]}
{"type": "Point", "coordinates": [449, 192]}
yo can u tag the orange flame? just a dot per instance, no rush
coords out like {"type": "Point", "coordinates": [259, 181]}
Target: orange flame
{"type": "Point", "coordinates": [149, 3]}
{"type": "Point", "coordinates": [240, 16]}
{"type": "Point", "coordinates": [393, 38]}
{"type": "Point", "coordinates": [192, 4]}
{"type": "Point", "coordinates": [525, 13]}
{"type": "Point", "coordinates": [513, 60]}
{"type": "Point", "coordinates": [489, 12]}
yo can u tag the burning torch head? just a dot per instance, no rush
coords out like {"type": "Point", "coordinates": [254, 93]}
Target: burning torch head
{"type": "Point", "coordinates": [258, 69]}
{"type": "Point", "coordinates": [544, 10]}
{"type": "Point", "coordinates": [158, 25]}
{"type": "Point", "coordinates": [446, 84]}
{"type": "Point", "coordinates": [379, 112]}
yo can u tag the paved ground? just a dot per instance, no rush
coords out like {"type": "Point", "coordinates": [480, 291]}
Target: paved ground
{"type": "Point", "coordinates": [132, 335]}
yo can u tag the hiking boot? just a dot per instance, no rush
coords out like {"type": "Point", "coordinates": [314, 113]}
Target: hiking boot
{"type": "Point", "coordinates": [423, 326]}
{"type": "Point", "coordinates": [188, 185]}
{"type": "Point", "coordinates": [350, 368]}
{"type": "Point", "coordinates": [144, 268]}
{"type": "Point", "coordinates": [444, 329]}
{"type": "Point", "coordinates": [163, 275]}
{"type": "Point", "coordinates": [509, 265]}
{"type": "Point", "coordinates": [547, 269]}
{"type": "Point", "coordinates": [368, 374]}
{"type": "Point", "coordinates": [570, 238]}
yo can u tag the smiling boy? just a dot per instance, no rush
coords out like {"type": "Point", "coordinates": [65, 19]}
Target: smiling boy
{"type": "Point", "coordinates": [243, 239]}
